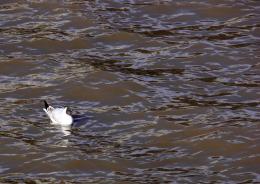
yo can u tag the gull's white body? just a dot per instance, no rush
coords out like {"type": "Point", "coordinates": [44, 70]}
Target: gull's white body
{"type": "Point", "coordinates": [59, 116]}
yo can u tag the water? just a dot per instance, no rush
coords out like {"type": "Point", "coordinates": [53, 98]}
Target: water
{"type": "Point", "coordinates": [164, 91]}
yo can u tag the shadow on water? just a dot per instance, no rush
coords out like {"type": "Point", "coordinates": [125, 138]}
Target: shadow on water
{"type": "Point", "coordinates": [80, 120]}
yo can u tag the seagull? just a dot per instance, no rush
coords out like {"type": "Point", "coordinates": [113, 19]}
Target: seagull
{"type": "Point", "coordinates": [58, 116]}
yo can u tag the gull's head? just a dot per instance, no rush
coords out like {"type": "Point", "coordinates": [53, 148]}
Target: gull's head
{"type": "Point", "coordinates": [68, 111]}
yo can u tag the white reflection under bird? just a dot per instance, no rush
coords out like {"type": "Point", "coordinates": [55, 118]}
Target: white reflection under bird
{"type": "Point", "coordinates": [58, 116]}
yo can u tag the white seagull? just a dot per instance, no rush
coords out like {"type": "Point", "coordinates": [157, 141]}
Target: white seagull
{"type": "Point", "coordinates": [58, 116]}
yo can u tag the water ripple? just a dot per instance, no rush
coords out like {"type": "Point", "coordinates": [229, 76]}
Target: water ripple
{"type": "Point", "coordinates": [161, 91]}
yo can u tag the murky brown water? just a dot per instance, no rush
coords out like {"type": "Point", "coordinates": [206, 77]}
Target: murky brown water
{"type": "Point", "coordinates": [164, 91]}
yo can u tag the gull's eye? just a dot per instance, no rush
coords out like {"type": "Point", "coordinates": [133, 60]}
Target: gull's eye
{"type": "Point", "coordinates": [69, 111]}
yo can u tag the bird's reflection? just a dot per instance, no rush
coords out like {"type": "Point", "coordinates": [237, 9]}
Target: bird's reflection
{"type": "Point", "coordinates": [78, 121]}
{"type": "Point", "coordinates": [66, 130]}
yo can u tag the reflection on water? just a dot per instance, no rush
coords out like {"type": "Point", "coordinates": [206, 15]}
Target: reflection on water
{"type": "Point", "coordinates": [66, 130]}
{"type": "Point", "coordinates": [162, 91]}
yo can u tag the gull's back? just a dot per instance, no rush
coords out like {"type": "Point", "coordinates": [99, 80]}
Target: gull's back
{"type": "Point", "coordinates": [58, 115]}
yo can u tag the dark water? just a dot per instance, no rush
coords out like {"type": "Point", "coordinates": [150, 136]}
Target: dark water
{"type": "Point", "coordinates": [164, 91]}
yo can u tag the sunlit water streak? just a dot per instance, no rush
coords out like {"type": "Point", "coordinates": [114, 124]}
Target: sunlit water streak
{"type": "Point", "coordinates": [162, 91]}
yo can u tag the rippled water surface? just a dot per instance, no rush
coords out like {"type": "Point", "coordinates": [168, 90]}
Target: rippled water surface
{"type": "Point", "coordinates": [163, 91]}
